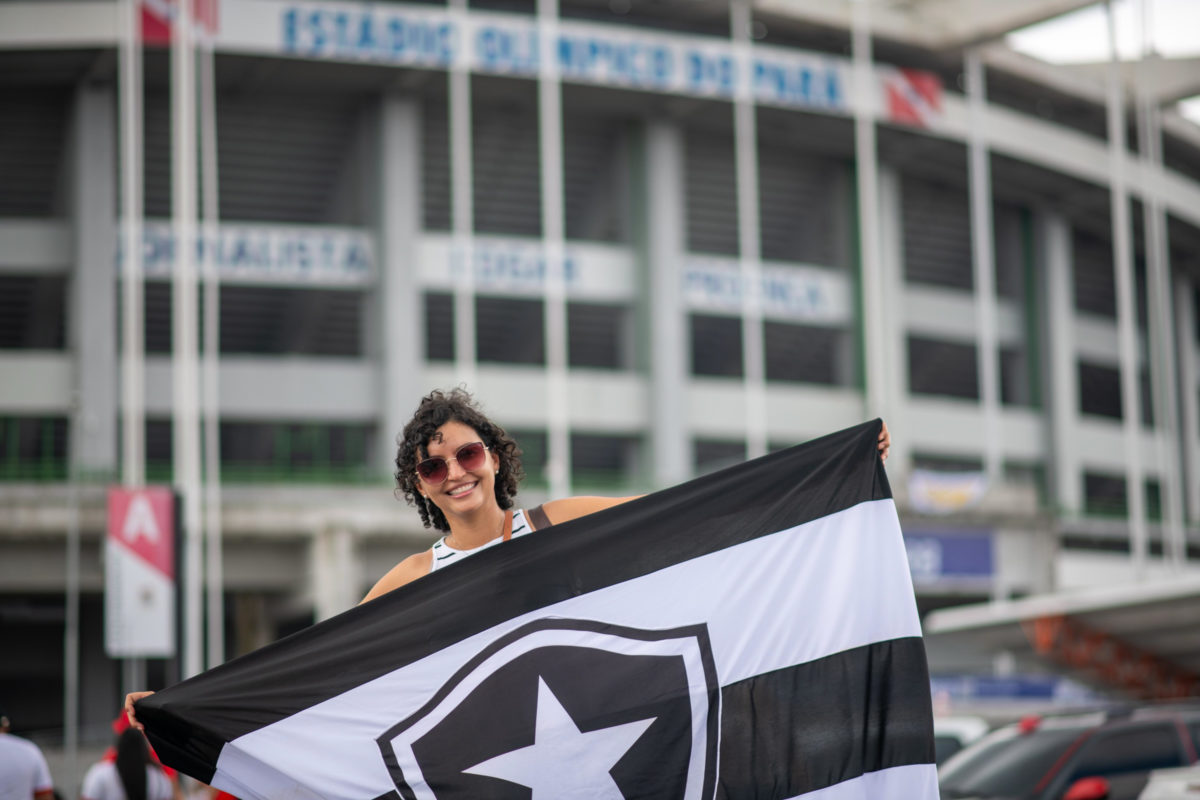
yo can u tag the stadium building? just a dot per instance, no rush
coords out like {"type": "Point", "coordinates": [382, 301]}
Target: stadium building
{"type": "Point", "coordinates": [655, 237]}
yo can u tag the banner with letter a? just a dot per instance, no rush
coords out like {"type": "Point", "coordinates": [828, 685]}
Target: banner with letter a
{"type": "Point", "coordinates": [749, 634]}
{"type": "Point", "coordinates": [139, 573]}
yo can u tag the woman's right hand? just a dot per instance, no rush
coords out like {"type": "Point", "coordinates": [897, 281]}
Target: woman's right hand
{"type": "Point", "coordinates": [130, 699]}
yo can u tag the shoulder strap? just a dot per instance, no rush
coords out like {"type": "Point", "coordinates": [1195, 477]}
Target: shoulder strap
{"type": "Point", "coordinates": [538, 517]}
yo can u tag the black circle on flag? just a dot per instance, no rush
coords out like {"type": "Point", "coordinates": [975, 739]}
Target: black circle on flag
{"type": "Point", "coordinates": [567, 708]}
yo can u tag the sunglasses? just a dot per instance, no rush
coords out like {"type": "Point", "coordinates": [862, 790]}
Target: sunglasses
{"type": "Point", "coordinates": [436, 469]}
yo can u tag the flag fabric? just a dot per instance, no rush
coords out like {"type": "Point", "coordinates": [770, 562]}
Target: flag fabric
{"type": "Point", "coordinates": [751, 633]}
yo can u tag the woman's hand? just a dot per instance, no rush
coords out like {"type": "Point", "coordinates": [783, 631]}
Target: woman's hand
{"type": "Point", "coordinates": [130, 699]}
{"type": "Point", "coordinates": [885, 443]}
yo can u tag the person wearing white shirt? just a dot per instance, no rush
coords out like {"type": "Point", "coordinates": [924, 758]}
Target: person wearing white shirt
{"type": "Point", "coordinates": [24, 774]}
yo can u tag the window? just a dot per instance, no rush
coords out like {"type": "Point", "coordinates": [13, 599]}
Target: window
{"type": "Point", "coordinates": [711, 192]}
{"type": "Point", "coordinates": [1016, 384]}
{"type": "Point", "coordinates": [942, 368]}
{"type": "Point", "coordinates": [1137, 749]}
{"type": "Point", "coordinates": [937, 234]}
{"type": "Point", "coordinates": [604, 461]}
{"type": "Point", "coordinates": [439, 326]}
{"type": "Point", "coordinates": [1104, 495]}
{"type": "Point", "coordinates": [710, 455]}
{"type": "Point", "coordinates": [1099, 390]}
{"type": "Point", "coordinates": [807, 354]}
{"type": "Point", "coordinates": [33, 312]}
{"type": "Point", "coordinates": [509, 331]}
{"type": "Point", "coordinates": [804, 204]}
{"type": "Point", "coordinates": [1094, 281]}
{"type": "Point", "coordinates": [33, 448]}
{"type": "Point", "coordinates": [599, 336]}
{"type": "Point", "coordinates": [716, 345]}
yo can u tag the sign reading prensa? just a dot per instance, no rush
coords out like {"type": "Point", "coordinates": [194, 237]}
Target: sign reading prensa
{"type": "Point", "coordinates": [139, 573]}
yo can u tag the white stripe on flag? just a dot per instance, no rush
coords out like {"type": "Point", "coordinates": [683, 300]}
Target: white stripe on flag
{"type": "Point", "coordinates": [787, 598]}
{"type": "Point", "coordinates": [896, 783]}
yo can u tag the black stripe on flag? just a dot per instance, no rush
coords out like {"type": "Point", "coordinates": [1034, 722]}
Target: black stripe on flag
{"type": "Point", "coordinates": [810, 726]}
{"type": "Point", "coordinates": [190, 722]}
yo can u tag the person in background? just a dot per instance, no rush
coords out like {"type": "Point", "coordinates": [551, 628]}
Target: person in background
{"type": "Point", "coordinates": [24, 774]}
{"type": "Point", "coordinates": [133, 775]}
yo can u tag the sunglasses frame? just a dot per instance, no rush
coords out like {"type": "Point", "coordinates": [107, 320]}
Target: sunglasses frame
{"type": "Point", "coordinates": [446, 463]}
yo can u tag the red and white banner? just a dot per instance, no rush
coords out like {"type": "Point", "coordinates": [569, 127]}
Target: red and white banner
{"type": "Point", "coordinates": [912, 96]}
{"type": "Point", "coordinates": [139, 573]}
{"type": "Point", "coordinates": [157, 16]}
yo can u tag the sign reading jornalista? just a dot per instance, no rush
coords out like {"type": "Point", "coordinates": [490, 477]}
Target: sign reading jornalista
{"type": "Point", "coordinates": [583, 52]}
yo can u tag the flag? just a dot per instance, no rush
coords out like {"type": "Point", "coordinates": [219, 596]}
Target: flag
{"type": "Point", "coordinates": [751, 633]}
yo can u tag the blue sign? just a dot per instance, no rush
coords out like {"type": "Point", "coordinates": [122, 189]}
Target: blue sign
{"type": "Point", "coordinates": [946, 555]}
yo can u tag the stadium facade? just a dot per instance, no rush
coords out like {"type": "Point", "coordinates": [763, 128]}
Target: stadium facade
{"type": "Point", "coordinates": [654, 238]}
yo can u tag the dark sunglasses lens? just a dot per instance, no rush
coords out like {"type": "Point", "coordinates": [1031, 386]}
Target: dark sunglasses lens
{"type": "Point", "coordinates": [470, 456]}
{"type": "Point", "coordinates": [432, 470]}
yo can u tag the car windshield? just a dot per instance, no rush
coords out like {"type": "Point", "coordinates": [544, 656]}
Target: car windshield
{"type": "Point", "coordinates": [1005, 764]}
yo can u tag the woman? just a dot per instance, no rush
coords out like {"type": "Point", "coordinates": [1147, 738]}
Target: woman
{"type": "Point", "coordinates": [131, 776]}
{"type": "Point", "coordinates": [462, 471]}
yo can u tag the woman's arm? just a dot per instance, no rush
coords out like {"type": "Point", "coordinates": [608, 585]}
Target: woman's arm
{"type": "Point", "coordinates": [569, 508]}
{"type": "Point", "coordinates": [407, 571]}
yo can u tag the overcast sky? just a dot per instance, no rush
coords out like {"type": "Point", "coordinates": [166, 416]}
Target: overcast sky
{"type": "Point", "coordinates": [1083, 35]}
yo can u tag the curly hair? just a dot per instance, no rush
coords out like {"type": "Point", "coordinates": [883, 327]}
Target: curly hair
{"type": "Point", "coordinates": [435, 410]}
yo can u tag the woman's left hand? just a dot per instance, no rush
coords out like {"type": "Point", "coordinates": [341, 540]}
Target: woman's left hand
{"type": "Point", "coordinates": [885, 443]}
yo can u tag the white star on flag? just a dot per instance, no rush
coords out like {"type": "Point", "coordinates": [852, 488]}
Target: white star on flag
{"type": "Point", "coordinates": [564, 762]}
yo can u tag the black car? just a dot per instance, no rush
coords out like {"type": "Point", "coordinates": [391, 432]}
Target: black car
{"type": "Point", "coordinates": [1096, 756]}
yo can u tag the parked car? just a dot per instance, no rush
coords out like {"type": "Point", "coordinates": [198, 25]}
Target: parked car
{"type": "Point", "coordinates": [953, 733]}
{"type": "Point", "coordinates": [1105, 755]}
{"type": "Point", "coordinates": [1181, 783]}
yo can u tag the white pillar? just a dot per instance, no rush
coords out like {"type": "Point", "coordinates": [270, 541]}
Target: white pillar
{"type": "Point", "coordinates": [663, 307]}
{"type": "Point", "coordinates": [462, 213]}
{"type": "Point", "coordinates": [1060, 369]}
{"type": "Point", "coordinates": [1122, 237]}
{"type": "Point", "coordinates": [550, 128]}
{"type": "Point", "coordinates": [93, 299]}
{"type": "Point", "coordinates": [1189, 381]}
{"type": "Point", "coordinates": [186, 421]}
{"type": "Point", "coordinates": [886, 332]}
{"type": "Point", "coordinates": [335, 574]}
{"type": "Point", "coordinates": [982, 242]}
{"type": "Point", "coordinates": [398, 309]}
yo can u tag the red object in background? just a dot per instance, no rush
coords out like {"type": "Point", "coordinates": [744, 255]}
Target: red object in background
{"type": "Point", "coordinates": [913, 96]}
{"type": "Point", "coordinates": [157, 14]}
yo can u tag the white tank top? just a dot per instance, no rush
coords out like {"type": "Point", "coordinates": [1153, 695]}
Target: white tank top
{"type": "Point", "coordinates": [444, 554]}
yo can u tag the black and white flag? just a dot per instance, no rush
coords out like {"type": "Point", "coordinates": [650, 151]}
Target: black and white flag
{"type": "Point", "coordinates": [748, 634]}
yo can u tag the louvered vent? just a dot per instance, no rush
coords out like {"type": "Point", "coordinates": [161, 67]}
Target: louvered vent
{"type": "Point", "coordinates": [712, 222]}
{"type": "Point", "coordinates": [948, 369]}
{"type": "Point", "coordinates": [802, 219]}
{"type": "Point", "coordinates": [806, 354]}
{"type": "Point", "coordinates": [33, 127]}
{"type": "Point", "coordinates": [594, 179]}
{"type": "Point", "coordinates": [32, 312]}
{"type": "Point", "coordinates": [281, 157]}
{"type": "Point", "coordinates": [1095, 287]}
{"type": "Point", "coordinates": [716, 345]}
{"type": "Point", "coordinates": [435, 167]}
{"type": "Point", "coordinates": [937, 234]}
{"type": "Point", "coordinates": [507, 181]}
{"type": "Point", "coordinates": [510, 331]}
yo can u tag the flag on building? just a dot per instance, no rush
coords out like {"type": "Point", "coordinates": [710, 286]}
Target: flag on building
{"type": "Point", "coordinates": [749, 634]}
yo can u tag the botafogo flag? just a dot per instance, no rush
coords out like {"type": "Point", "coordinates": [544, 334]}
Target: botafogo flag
{"type": "Point", "coordinates": [751, 633]}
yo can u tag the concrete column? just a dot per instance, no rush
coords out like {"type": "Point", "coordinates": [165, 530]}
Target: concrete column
{"type": "Point", "coordinates": [1059, 366]}
{"type": "Point", "coordinates": [335, 574]}
{"type": "Point", "coordinates": [93, 287]}
{"type": "Point", "coordinates": [663, 307]}
{"type": "Point", "coordinates": [397, 299]}
{"type": "Point", "coordinates": [891, 363]}
{"type": "Point", "coordinates": [1189, 365]}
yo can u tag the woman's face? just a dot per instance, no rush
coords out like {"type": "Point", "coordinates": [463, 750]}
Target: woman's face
{"type": "Point", "coordinates": [464, 491]}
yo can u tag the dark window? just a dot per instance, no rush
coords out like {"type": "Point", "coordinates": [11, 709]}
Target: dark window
{"type": "Point", "coordinates": [33, 448]}
{"type": "Point", "coordinates": [1146, 393]}
{"type": "Point", "coordinates": [942, 368]}
{"type": "Point", "coordinates": [33, 312]}
{"type": "Point", "coordinates": [267, 321]}
{"type": "Point", "coordinates": [507, 185]}
{"type": "Point", "coordinates": [1009, 234]}
{"type": "Point", "coordinates": [595, 178]}
{"type": "Point", "coordinates": [509, 331]}
{"type": "Point", "coordinates": [1015, 378]}
{"type": "Point", "coordinates": [603, 461]}
{"type": "Point", "coordinates": [804, 206]}
{"type": "Point", "coordinates": [1095, 286]}
{"type": "Point", "coordinates": [806, 354]}
{"type": "Point", "coordinates": [439, 326]}
{"type": "Point", "coordinates": [598, 336]}
{"type": "Point", "coordinates": [937, 234]}
{"type": "Point", "coordinates": [711, 187]}
{"type": "Point", "coordinates": [716, 345]}
{"type": "Point", "coordinates": [710, 455]}
{"type": "Point", "coordinates": [1138, 749]}
{"type": "Point", "coordinates": [534, 455]}
{"type": "Point", "coordinates": [1005, 765]}
{"type": "Point", "coordinates": [1104, 495]}
{"type": "Point", "coordinates": [1099, 390]}
{"type": "Point", "coordinates": [435, 167]}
